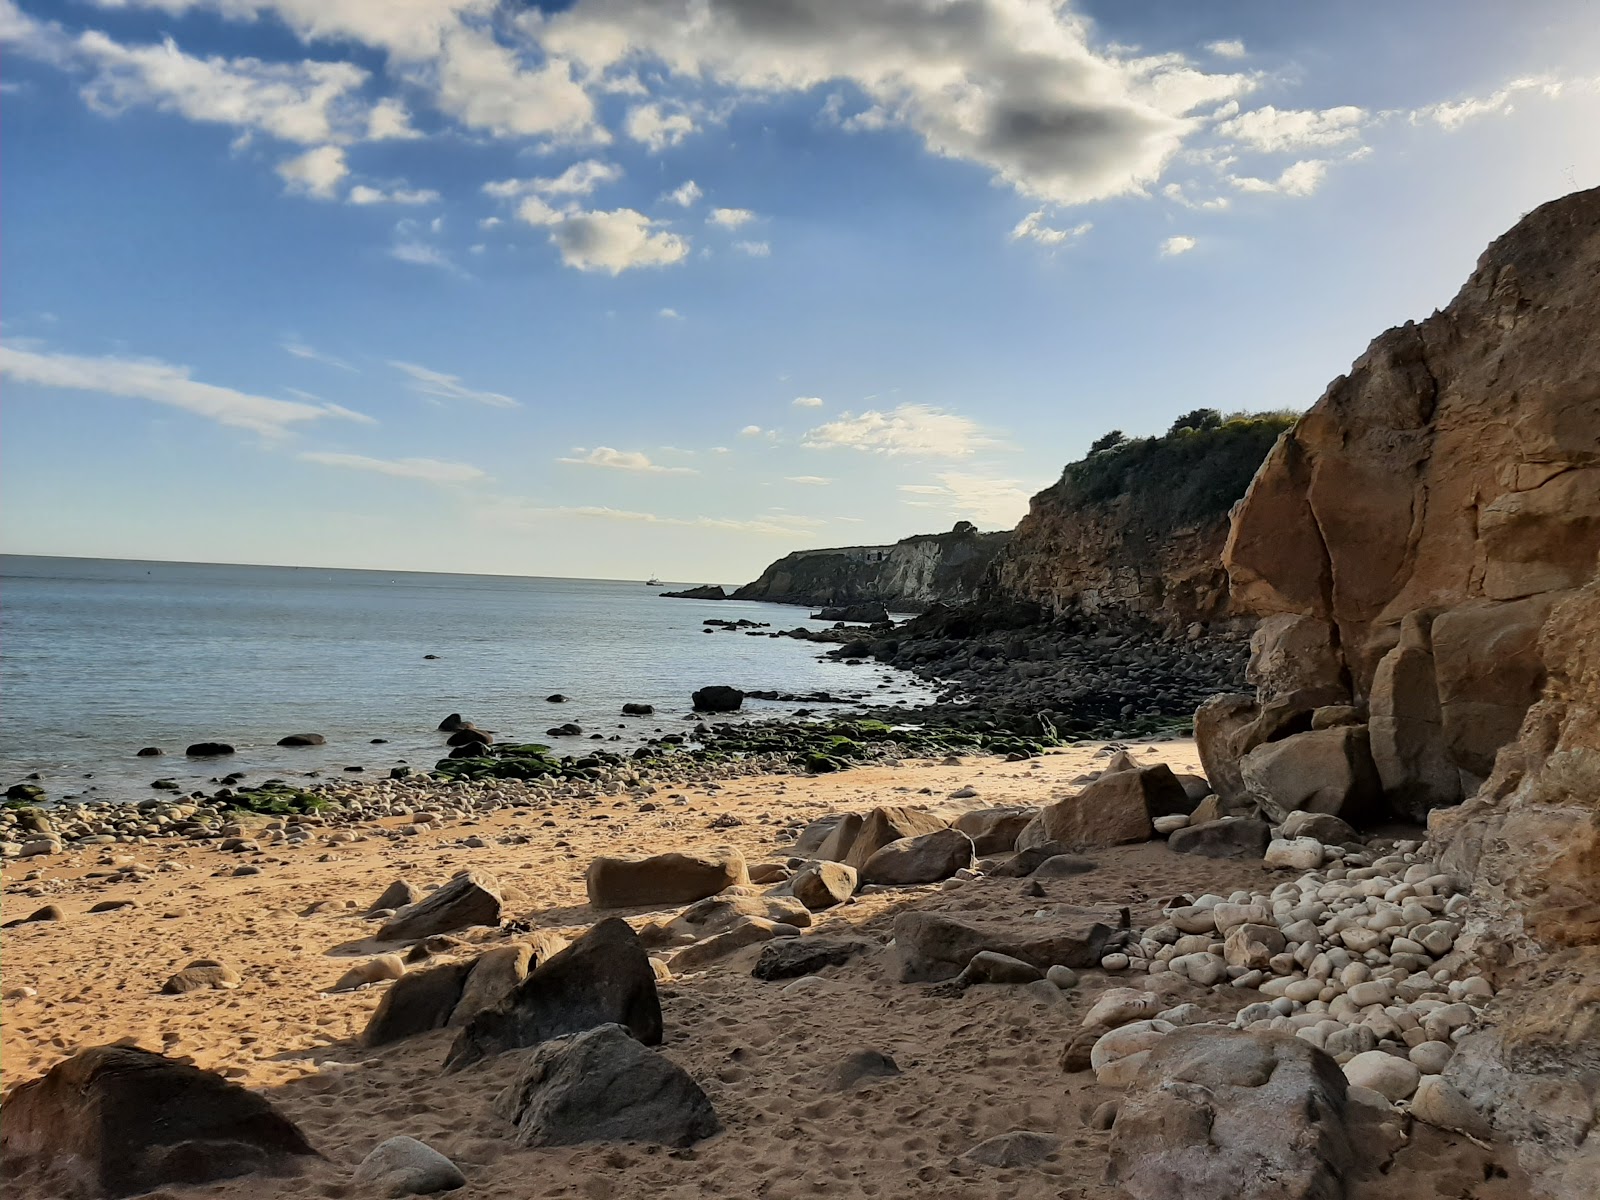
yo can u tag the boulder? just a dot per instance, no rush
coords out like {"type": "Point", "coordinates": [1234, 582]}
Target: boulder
{"type": "Point", "coordinates": [303, 739]}
{"type": "Point", "coordinates": [150, 752]}
{"type": "Point", "coordinates": [860, 1066]}
{"type": "Point", "coordinates": [790, 958]}
{"type": "Point", "coordinates": [1324, 827]}
{"type": "Point", "coordinates": [469, 735]}
{"type": "Point", "coordinates": [1391, 1076]}
{"type": "Point", "coordinates": [396, 896]}
{"type": "Point", "coordinates": [453, 722]}
{"type": "Point", "coordinates": [1407, 728]}
{"type": "Point", "coordinates": [1295, 662]}
{"type": "Point", "coordinates": [638, 710]}
{"type": "Point", "coordinates": [816, 833]}
{"type": "Point", "coordinates": [717, 699]}
{"type": "Point", "coordinates": [707, 591]}
{"type": "Point", "coordinates": [748, 931]}
{"type": "Point", "coordinates": [995, 830]}
{"type": "Point", "coordinates": [203, 974]}
{"type": "Point", "coordinates": [403, 1166]}
{"type": "Point", "coordinates": [663, 878]}
{"type": "Point", "coordinates": [1019, 1148]}
{"type": "Point", "coordinates": [866, 613]}
{"type": "Point", "coordinates": [931, 946]}
{"type": "Point", "coordinates": [601, 1085]}
{"type": "Point", "coordinates": [1222, 1114]}
{"type": "Point", "coordinates": [374, 970]}
{"type": "Point", "coordinates": [925, 859]}
{"type": "Point", "coordinates": [208, 750]}
{"type": "Point", "coordinates": [122, 1120]}
{"type": "Point", "coordinates": [1439, 1104]}
{"type": "Point", "coordinates": [603, 977]}
{"type": "Point", "coordinates": [1227, 837]}
{"type": "Point", "coordinates": [471, 898]}
{"type": "Point", "coordinates": [495, 973]}
{"type": "Point", "coordinates": [1324, 770]}
{"type": "Point", "coordinates": [1113, 810]}
{"type": "Point", "coordinates": [884, 825]}
{"type": "Point", "coordinates": [417, 1002]}
{"type": "Point", "coordinates": [718, 914]}
{"type": "Point", "coordinates": [822, 885]}
{"type": "Point", "coordinates": [841, 835]}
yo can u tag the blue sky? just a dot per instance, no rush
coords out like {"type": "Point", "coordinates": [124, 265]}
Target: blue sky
{"type": "Point", "coordinates": [630, 287]}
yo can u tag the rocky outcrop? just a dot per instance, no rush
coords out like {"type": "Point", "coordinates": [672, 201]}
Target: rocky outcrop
{"type": "Point", "coordinates": [908, 576]}
{"type": "Point", "coordinates": [1413, 532]}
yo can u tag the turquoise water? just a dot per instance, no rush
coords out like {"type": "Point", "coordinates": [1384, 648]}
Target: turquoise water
{"type": "Point", "coordinates": [99, 657]}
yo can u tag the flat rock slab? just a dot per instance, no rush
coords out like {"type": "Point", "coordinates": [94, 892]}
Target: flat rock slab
{"type": "Point", "coordinates": [471, 898]}
{"type": "Point", "coordinates": [663, 878]}
{"type": "Point", "coordinates": [604, 977]}
{"type": "Point", "coordinates": [790, 958]}
{"type": "Point", "coordinates": [933, 946]}
{"type": "Point", "coordinates": [1019, 1148]}
{"type": "Point", "coordinates": [604, 1086]}
{"type": "Point", "coordinates": [124, 1121]}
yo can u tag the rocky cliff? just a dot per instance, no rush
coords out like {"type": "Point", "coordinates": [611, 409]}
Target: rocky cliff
{"type": "Point", "coordinates": [908, 576]}
{"type": "Point", "coordinates": [1136, 528]}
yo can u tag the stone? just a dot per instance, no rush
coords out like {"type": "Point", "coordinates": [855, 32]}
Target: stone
{"type": "Point", "coordinates": [203, 974]}
{"type": "Point", "coordinates": [124, 1121]}
{"type": "Point", "coordinates": [303, 739]}
{"type": "Point", "coordinates": [494, 974]}
{"type": "Point", "coordinates": [1407, 726]}
{"type": "Point", "coordinates": [417, 1002]}
{"type": "Point", "coordinates": [471, 898]}
{"type": "Point", "coordinates": [397, 895]}
{"type": "Point", "coordinates": [1226, 837]}
{"type": "Point", "coordinates": [50, 912]}
{"type": "Point", "coordinates": [1439, 1104]}
{"type": "Point", "coordinates": [1295, 854]}
{"type": "Point", "coordinates": [994, 830]}
{"type": "Point", "coordinates": [403, 1166]}
{"type": "Point", "coordinates": [634, 709]}
{"type": "Point", "coordinates": [986, 966]}
{"type": "Point", "coordinates": [1117, 808]}
{"type": "Point", "coordinates": [718, 699]}
{"type": "Point", "coordinates": [662, 879]}
{"type": "Point", "coordinates": [1394, 1077]}
{"type": "Point", "coordinates": [1062, 866]}
{"type": "Point", "coordinates": [1325, 770]}
{"type": "Point", "coordinates": [749, 931]}
{"type": "Point", "coordinates": [931, 946]}
{"type": "Point", "coordinates": [718, 914]}
{"type": "Point", "coordinates": [1325, 827]}
{"type": "Point", "coordinates": [841, 835]}
{"type": "Point", "coordinates": [601, 1085]}
{"type": "Point", "coordinates": [603, 977]}
{"type": "Point", "coordinates": [1126, 1041]}
{"type": "Point", "coordinates": [1219, 724]}
{"type": "Point", "coordinates": [790, 958]}
{"type": "Point", "coordinates": [889, 824]}
{"type": "Point", "coordinates": [1169, 825]}
{"type": "Point", "coordinates": [821, 885]}
{"type": "Point", "coordinates": [1019, 1148]}
{"type": "Point", "coordinates": [1431, 1058]}
{"type": "Point", "coordinates": [374, 970]}
{"type": "Point", "coordinates": [859, 1066]}
{"type": "Point", "coordinates": [1331, 716]}
{"type": "Point", "coordinates": [1118, 1006]}
{"type": "Point", "coordinates": [925, 859]}
{"type": "Point", "coordinates": [1216, 1112]}
{"type": "Point", "coordinates": [209, 750]}
{"type": "Point", "coordinates": [1063, 977]}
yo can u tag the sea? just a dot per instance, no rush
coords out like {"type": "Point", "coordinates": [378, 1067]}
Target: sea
{"type": "Point", "coordinates": [100, 657]}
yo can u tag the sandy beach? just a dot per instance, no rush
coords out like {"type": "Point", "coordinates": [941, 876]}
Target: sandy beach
{"type": "Point", "coordinates": [971, 1067]}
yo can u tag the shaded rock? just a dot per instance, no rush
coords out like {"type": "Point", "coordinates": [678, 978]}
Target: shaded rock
{"type": "Point", "coordinates": [931, 946]}
{"type": "Point", "coordinates": [1324, 827]}
{"type": "Point", "coordinates": [836, 843]}
{"type": "Point", "coordinates": [749, 931]}
{"type": "Point", "coordinates": [987, 966]}
{"type": "Point", "coordinates": [374, 970]}
{"type": "Point", "coordinates": [717, 698]}
{"type": "Point", "coordinates": [603, 977]}
{"type": "Point", "coordinates": [50, 912]}
{"type": "Point", "coordinates": [717, 914]}
{"type": "Point", "coordinates": [403, 1166]}
{"type": "Point", "coordinates": [150, 752]}
{"type": "Point", "coordinates": [417, 1002]}
{"type": "Point", "coordinates": [1019, 1148]}
{"type": "Point", "coordinates": [124, 1120]}
{"type": "Point", "coordinates": [1228, 837]}
{"type": "Point", "coordinates": [925, 859]}
{"type": "Point", "coordinates": [821, 885]}
{"type": "Point", "coordinates": [1326, 770]}
{"type": "Point", "coordinates": [790, 958]}
{"type": "Point", "coordinates": [1438, 1103]}
{"type": "Point", "coordinates": [1063, 866]}
{"type": "Point", "coordinates": [860, 1065]}
{"type": "Point", "coordinates": [709, 591]}
{"type": "Point", "coordinates": [603, 1086]}
{"type": "Point", "coordinates": [891, 824]}
{"type": "Point", "coordinates": [303, 739]}
{"type": "Point", "coordinates": [451, 723]}
{"type": "Point", "coordinates": [495, 973]}
{"type": "Point", "coordinates": [203, 974]}
{"type": "Point", "coordinates": [209, 750]}
{"type": "Point", "coordinates": [638, 710]}
{"type": "Point", "coordinates": [994, 830]}
{"type": "Point", "coordinates": [1218, 1113]}
{"type": "Point", "coordinates": [471, 898]}
{"type": "Point", "coordinates": [396, 896]}
{"type": "Point", "coordinates": [1113, 810]}
{"type": "Point", "coordinates": [869, 612]}
{"type": "Point", "coordinates": [1407, 726]}
{"type": "Point", "coordinates": [663, 878]}
{"type": "Point", "coordinates": [1218, 726]}
{"type": "Point", "coordinates": [814, 834]}
{"type": "Point", "coordinates": [468, 735]}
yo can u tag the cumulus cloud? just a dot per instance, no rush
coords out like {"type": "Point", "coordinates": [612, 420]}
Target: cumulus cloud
{"type": "Point", "coordinates": [318, 172]}
{"type": "Point", "coordinates": [428, 470]}
{"type": "Point", "coordinates": [1298, 179]}
{"type": "Point", "coordinates": [731, 218]}
{"type": "Point", "coordinates": [163, 383]}
{"type": "Point", "coordinates": [1452, 114]}
{"type": "Point", "coordinates": [438, 386]}
{"type": "Point", "coordinates": [1227, 48]}
{"type": "Point", "coordinates": [1175, 246]}
{"type": "Point", "coordinates": [362, 194]}
{"type": "Point", "coordinates": [1033, 228]}
{"type": "Point", "coordinates": [622, 460]}
{"type": "Point", "coordinates": [657, 127]}
{"type": "Point", "coordinates": [580, 179]}
{"type": "Point", "coordinates": [998, 502]}
{"type": "Point", "coordinates": [1271, 130]}
{"type": "Point", "coordinates": [685, 194]}
{"type": "Point", "coordinates": [486, 85]}
{"type": "Point", "coordinates": [912, 430]}
{"type": "Point", "coordinates": [670, 314]}
{"type": "Point", "coordinates": [616, 241]}
{"type": "Point", "coordinates": [1176, 193]}
{"type": "Point", "coordinates": [751, 431]}
{"type": "Point", "coordinates": [807, 402]}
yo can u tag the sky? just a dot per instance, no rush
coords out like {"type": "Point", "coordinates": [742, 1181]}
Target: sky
{"type": "Point", "coordinates": [621, 288]}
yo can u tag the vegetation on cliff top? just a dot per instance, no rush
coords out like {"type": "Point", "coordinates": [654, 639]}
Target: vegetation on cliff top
{"type": "Point", "coordinates": [1196, 470]}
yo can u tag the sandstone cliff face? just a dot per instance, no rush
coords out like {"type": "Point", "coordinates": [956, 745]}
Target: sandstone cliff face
{"type": "Point", "coordinates": [909, 576]}
{"type": "Point", "coordinates": [1434, 505]}
{"type": "Point", "coordinates": [1137, 530]}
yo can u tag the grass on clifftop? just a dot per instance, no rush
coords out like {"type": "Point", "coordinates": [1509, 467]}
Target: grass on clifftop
{"type": "Point", "coordinates": [1194, 471]}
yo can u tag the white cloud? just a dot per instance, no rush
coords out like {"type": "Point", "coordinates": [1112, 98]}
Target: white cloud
{"type": "Point", "coordinates": [428, 470]}
{"type": "Point", "coordinates": [388, 120]}
{"type": "Point", "coordinates": [810, 480]}
{"type": "Point", "coordinates": [318, 172]}
{"type": "Point", "coordinates": [623, 460]}
{"type": "Point", "coordinates": [999, 503]}
{"type": "Point", "coordinates": [656, 127]}
{"type": "Point", "coordinates": [300, 350]}
{"type": "Point", "coordinates": [485, 85]}
{"type": "Point", "coordinates": [730, 218]}
{"type": "Point", "coordinates": [670, 314]}
{"type": "Point", "coordinates": [807, 402]}
{"type": "Point", "coordinates": [685, 194]}
{"type": "Point", "coordinates": [1227, 48]}
{"type": "Point", "coordinates": [1299, 179]}
{"type": "Point", "coordinates": [1033, 226]}
{"type": "Point", "coordinates": [436, 384]}
{"type": "Point", "coordinates": [1271, 130]}
{"type": "Point", "coordinates": [421, 254]}
{"type": "Point", "coordinates": [615, 241]}
{"type": "Point", "coordinates": [753, 249]}
{"type": "Point", "coordinates": [580, 179]}
{"type": "Point", "coordinates": [362, 194]}
{"type": "Point", "coordinates": [1175, 193]}
{"type": "Point", "coordinates": [913, 430]}
{"type": "Point", "coordinates": [1453, 114]}
{"type": "Point", "coordinates": [751, 431]}
{"type": "Point", "coordinates": [163, 383]}
{"type": "Point", "coordinates": [1177, 245]}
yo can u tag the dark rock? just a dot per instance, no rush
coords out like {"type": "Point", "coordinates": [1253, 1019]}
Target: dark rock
{"type": "Point", "coordinates": [925, 859]}
{"type": "Point", "coordinates": [663, 878]}
{"type": "Point", "coordinates": [1227, 837]}
{"type": "Point", "coordinates": [638, 710]}
{"type": "Point", "coordinates": [471, 898]}
{"type": "Point", "coordinates": [49, 912]}
{"type": "Point", "coordinates": [868, 613]}
{"type": "Point", "coordinates": [151, 752]}
{"type": "Point", "coordinates": [932, 946]}
{"type": "Point", "coordinates": [709, 591]}
{"type": "Point", "coordinates": [994, 830]}
{"type": "Point", "coordinates": [303, 739]}
{"type": "Point", "coordinates": [468, 735]}
{"type": "Point", "coordinates": [126, 1120]}
{"type": "Point", "coordinates": [601, 1085]}
{"type": "Point", "coordinates": [555, 698]}
{"type": "Point", "coordinates": [718, 698]}
{"type": "Point", "coordinates": [789, 958]}
{"type": "Point", "coordinates": [417, 1002]}
{"type": "Point", "coordinates": [209, 750]}
{"type": "Point", "coordinates": [451, 723]}
{"type": "Point", "coordinates": [604, 977]}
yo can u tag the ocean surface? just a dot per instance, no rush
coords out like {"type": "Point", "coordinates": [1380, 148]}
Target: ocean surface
{"type": "Point", "coordinates": [100, 657]}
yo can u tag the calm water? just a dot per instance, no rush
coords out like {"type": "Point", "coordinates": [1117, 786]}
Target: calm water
{"type": "Point", "coordinates": [100, 657]}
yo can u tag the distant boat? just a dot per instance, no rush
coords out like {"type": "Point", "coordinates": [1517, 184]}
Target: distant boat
{"type": "Point", "coordinates": [652, 582]}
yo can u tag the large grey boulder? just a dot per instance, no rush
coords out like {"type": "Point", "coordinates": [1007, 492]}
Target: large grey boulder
{"type": "Point", "coordinates": [926, 859]}
{"type": "Point", "coordinates": [1115, 809]}
{"type": "Point", "coordinates": [932, 946]}
{"type": "Point", "coordinates": [471, 898]}
{"type": "Point", "coordinates": [1321, 770]}
{"type": "Point", "coordinates": [1223, 1114]}
{"type": "Point", "coordinates": [890, 824]}
{"type": "Point", "coordinates": [417, 1002]}
{"type": "Point", "coordinates": [603, 1086]}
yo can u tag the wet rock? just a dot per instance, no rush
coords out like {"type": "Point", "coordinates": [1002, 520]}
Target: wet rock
{"type": "Point", "coordinates": [303, 739]}
{"type": "Point", "coordinates": [208, 750]}
{"type": "Point", "coordinates": [638, 710]}
{"type": "Point", "coordinates": [150, 752]}
{"type": "Point", "coordinates": [717, 699]}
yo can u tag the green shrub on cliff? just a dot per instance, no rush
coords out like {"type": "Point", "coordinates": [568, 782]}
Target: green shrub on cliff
{"type": "Point", "coordinates": [1197, 470]}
